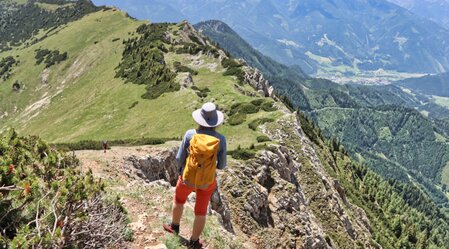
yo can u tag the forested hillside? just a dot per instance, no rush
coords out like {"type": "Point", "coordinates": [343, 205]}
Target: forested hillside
{"type": "Point", "coordinates": [25, 23]}
{"type": "Point", "coordinates": [430, 85]}
{"type": "Point", "coordinates": [380, 125]}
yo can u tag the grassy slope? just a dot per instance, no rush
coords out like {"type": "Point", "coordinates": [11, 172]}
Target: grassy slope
{"type": "Point", "coordinates": [445, 175]}
{"type": "Point", "coordinates": [442, 101]}
{"type": "Point", "coordinates": [93, 104]}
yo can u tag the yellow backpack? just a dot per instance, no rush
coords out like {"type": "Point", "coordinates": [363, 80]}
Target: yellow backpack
{"type": "Point", "coordinates": [201, 164]}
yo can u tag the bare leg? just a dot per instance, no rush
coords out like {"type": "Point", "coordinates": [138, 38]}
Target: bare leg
{"type": "Point", "coordinates": [177, 213]}
{"type": "Point", "coordinates": [198, 226]}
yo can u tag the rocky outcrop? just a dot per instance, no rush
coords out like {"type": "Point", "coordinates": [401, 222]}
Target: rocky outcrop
{"type": "Point", "coordinates": [256, 79]}
{"type": "Point", "coordinates": [219, 205]}
{"type": "Point", "coordinates": [44, 76]}
{"type": "Point", "coordinates": [268, 203]}
{"type": "Point", "coordinates": [160, 168]}
{"type": "Point", "coordinates": [160, 165]}
{"type": "Point", "coordinates": [186, 34]}
{"type": "Point", "coordinates": [185, 80]}
{"type": "Point", "coordinates": [284, 198]}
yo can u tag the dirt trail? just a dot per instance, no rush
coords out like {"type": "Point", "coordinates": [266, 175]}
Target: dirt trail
{"type": "Point", "coordinates": [148, 204]}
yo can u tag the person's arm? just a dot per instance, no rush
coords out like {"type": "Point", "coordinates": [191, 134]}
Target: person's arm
{"type": "Point", "coordinates": [221, 157]}
{"type": "Point", "coordinates": [182, 152]}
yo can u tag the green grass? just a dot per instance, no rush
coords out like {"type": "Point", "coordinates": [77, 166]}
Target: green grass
{"type": "Point", "coordinates": [51, 7]}
{"type": "Point", "coordinates": [18, 1]}
{"type": "Point", "coordinates": [84, 101]}
{"type": "Point", "coordinates": [445, 175]}
{"type": "Point", "coordinates": [442, 101]}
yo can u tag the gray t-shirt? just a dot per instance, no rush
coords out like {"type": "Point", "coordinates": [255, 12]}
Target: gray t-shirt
{"type": "Point", "coordinates": [183, 152]}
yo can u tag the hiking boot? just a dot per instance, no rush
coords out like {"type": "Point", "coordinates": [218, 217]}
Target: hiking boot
{"type": "Point", "coordinates": [194, 244]}
{"type": "Point", "coordinates": [171, 228]}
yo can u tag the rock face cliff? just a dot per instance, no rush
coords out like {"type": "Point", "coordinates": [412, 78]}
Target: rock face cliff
{"type": "Point", "coordinates": [285, 198]}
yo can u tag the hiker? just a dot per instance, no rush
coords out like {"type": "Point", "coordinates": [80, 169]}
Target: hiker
{"type": "Point", "coordinates": [202, 151]}
{"type": "Point", "coordinates": [105, 146]}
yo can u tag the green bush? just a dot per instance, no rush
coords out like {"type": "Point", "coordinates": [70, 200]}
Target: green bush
{"type": "Point", "coordinates": [182, 68]}
{"type": "Point", "coordinates": [201, 92]}
{"type": "Point", "coordinates": [255, 123]}
{"type": "Point", "coordinates": [49, 57]}
{"type": "Point", "coordinates": [242, 154]}
{"type": "Point", "coordinates": [263, 138]}
{"type": "Point", "coordinates": [16, 86]}
{"type": "Point", "coordinates": [228, 62]}
{"type": "Point", "coordinates": [245, 108]}
{"type": "Point", "coordinates": [233, 68]}
{"type": "Point", "coordinates": [237, 72]}
{"type": "Point", "coordinates": [268, 106]}
{"type": "Point", "coordinates": [248, 108]}
{"type": "Point", "coordinates": [258, 102]}
{"type": "Point", "coordinates": [46, 200]}
{"type": "Point", "coordinates": [195, 48]}
{"type": "Point", "coordinates": [264, 104]}
{"type": "Point", "coordinates": [133, 105]}
{"type": "Point", "coordinates": [143, 61]}
{"type": "Point", "coordinates": [237, 119]}
{"type": "Point", "coordinates": [6, 65]}
{"type": "Point", "coordinates": [98, 145]}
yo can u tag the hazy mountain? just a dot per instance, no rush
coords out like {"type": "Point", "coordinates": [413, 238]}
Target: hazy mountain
{"type": "Point", "coordinates": [429, 85]}
{"type": "Point", "coordinates": [435, 10]}
{"type": "Point", "coordinates": [365, 34]}
{"type": "Point", "coordinates": [227, 38]}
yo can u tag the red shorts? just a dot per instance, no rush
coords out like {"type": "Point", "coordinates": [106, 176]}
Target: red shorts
{"type": "Point", "coordinates": [202, 196]}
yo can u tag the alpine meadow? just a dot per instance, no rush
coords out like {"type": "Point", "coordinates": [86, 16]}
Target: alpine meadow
{"type": "Point", "coordinates": [334, 134]}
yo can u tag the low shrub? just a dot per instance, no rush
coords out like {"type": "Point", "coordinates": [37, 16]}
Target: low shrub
{"type": "Point", "coordinates": [143, 61]}
{"type": "Point", "coordinates": [181, 68]}
{"type": "Point", "coordinates": [16, 86]}
{"type": "Point", "coordinates": [237, 119]}
{"type": "Point", "coordinates": [237, 72]}
{"type": "Point", "coordinates": [242, 154]}
{"type": "Point", "coordinates": [268, 106]}
{"type": "Point", "coordinates": [248, 108]}
{"type": "Point", "coordinates": [245, 108]}
{"type": "Point", "coordinates": [255, 123]}
{"type": "Point", "coordinates": [228, 62]}
{"type": "Point", "coordinates": [98, 145]}
{"type": "Point", "coordinates": [46, 202]}
{"type": "Point", "coordinates": [6, 65]}
{"type": "Point", "coordinates": [49, 57]}
{"type": "Point", "coordinates": [133, 105]}
{"type": "Point", "coordinates": [233, 68]}
{"type": "Point", "coordinates": [201, 92]}
{"type": "Point", "coordinates": [263, 138]}
{"type": "Point", "coordinates": [258, 102]}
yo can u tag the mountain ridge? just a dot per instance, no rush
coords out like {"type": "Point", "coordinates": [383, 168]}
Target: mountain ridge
{"type": "Point", "coordinates": [404, 42]}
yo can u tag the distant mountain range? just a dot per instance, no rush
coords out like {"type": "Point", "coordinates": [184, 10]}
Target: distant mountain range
{"type": "Point", "coordinates": [314, 34]}
{"type": "Point", "coordinates": [435, 10]}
